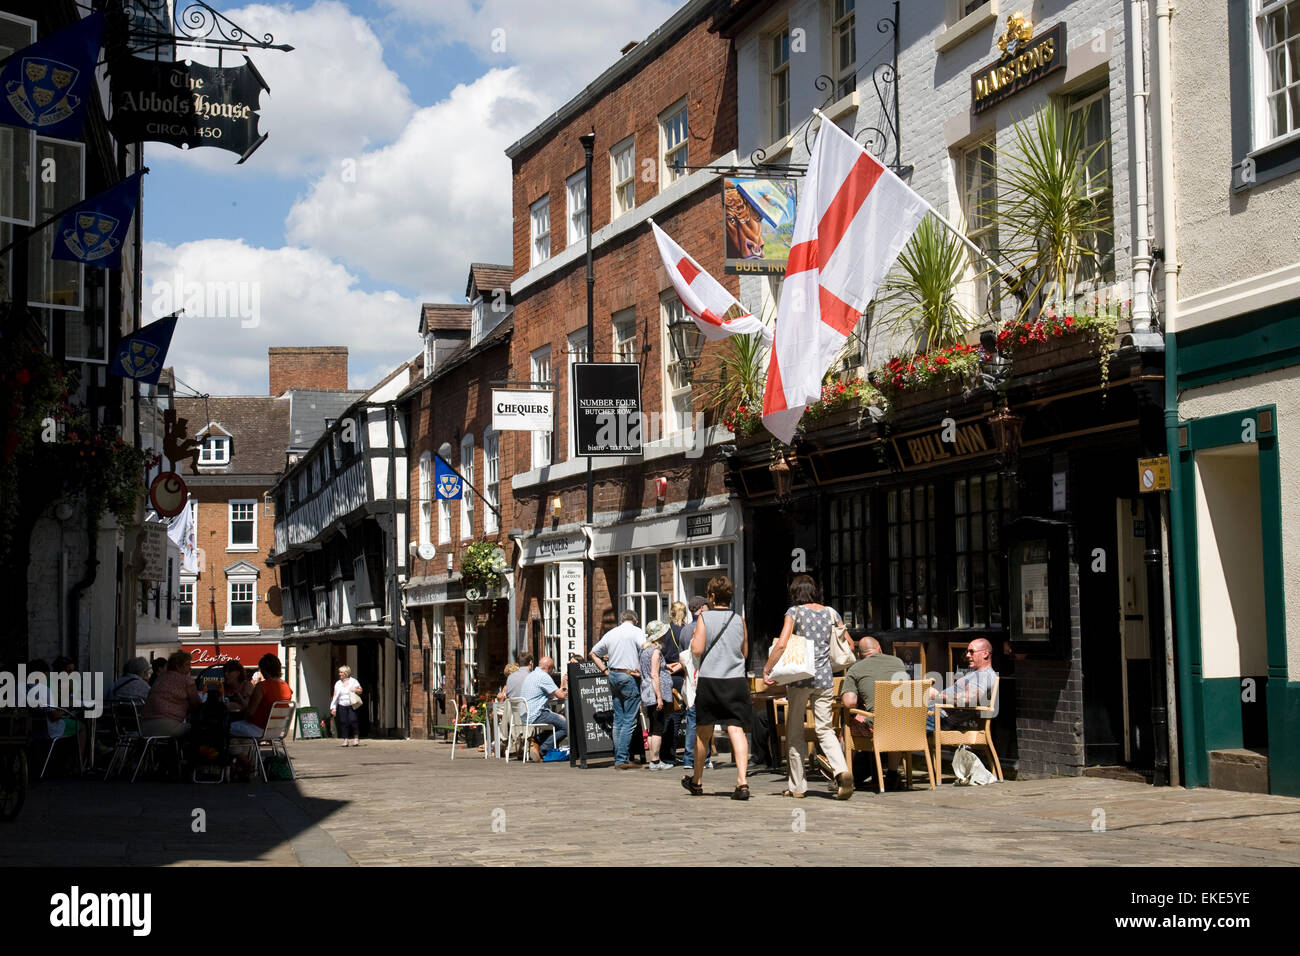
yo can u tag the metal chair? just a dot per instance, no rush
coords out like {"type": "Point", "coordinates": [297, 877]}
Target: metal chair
{"type": "Point", "coordinates": [519, 723]}
{"type": "Point", "coordinates": [278, 723]}
{"type": "Point", "coordinates": [456, 724]}
{"type": "Point", "coordinates": [125, 714]}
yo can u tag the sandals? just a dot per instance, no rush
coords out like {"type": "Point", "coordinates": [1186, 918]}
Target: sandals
{"type": "Point", "coordinates": [741, 792]}
{"type": "Point", "coordinates": [693, 788]}
{"type": "Point", "coordinates": [791, 793]}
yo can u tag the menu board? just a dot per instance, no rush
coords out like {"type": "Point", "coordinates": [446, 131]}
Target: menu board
{"type": "Point", "coordinates": [590, 714]}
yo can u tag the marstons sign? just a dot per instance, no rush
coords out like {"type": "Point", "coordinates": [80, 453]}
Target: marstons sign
{"type": "Point", "coordinates": [1025, 60]}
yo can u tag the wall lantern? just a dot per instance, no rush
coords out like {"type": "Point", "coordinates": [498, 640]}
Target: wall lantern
{"type": "Point", "coordinates": [688, 345]}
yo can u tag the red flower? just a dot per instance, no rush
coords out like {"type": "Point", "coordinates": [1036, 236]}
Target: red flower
{"type": "Point", "coordinates": [22, 376]}
{"type": "Point", "coordinates": [1069, 320]}
{"type": "Point", "coordinates": [942, 360]}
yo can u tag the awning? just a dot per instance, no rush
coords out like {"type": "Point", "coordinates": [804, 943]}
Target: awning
{"type": "Point", "coordinates": [682, 530]}
{"type": "Point", "coordinates": [544, 548]}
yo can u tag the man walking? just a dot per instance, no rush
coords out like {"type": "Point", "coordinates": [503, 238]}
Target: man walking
{"type": "Point", "coordinates": [622, 645]}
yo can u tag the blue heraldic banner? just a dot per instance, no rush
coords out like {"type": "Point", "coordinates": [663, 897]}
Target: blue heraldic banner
{"type": "Point", "coordinates": [141, 355]}
{"type": "Point", "coordinates": [93, 231]}
{"type": "Point", "coordinates": [46, 86]}
{"type": "Point", "coordinates": [446, 483]}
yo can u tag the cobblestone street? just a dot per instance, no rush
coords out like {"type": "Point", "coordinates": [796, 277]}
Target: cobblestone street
{"type": "Point", "coordinates": [407, 803]}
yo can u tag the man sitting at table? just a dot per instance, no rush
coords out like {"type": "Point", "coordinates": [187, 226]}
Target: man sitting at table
{"type": "Point", "coordinates": [516, 680]}
{"type": "Point", "coordinates": [270, 691]}
{"type": "Point", "coordinates": [974, 688]}
{"type": "Point", "coordinates": [858, 692]}
{"type": "Point", "coordinates": [538, 689]}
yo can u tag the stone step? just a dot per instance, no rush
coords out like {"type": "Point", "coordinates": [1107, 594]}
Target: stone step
{"type": "Point", "coordinates": [1245, 771]}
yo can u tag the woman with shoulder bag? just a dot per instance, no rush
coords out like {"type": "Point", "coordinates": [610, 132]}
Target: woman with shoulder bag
{"type": "Point", "coordinates": [656, 690]}
{"type": "Point", "coordinates": [343, 709]}
{"type": "Point", "coordinates": [810, 619]}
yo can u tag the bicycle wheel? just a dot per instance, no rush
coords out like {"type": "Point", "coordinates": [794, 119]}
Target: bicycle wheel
{"type": "Point", "coordinates": [13, 782]}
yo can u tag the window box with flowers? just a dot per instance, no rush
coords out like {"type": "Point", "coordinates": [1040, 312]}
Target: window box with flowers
{"type": "Point", "coordinates": [1055, 339]}
{"type": "Point", "coordinates": [934, 373]}
{"type": "Point", "coordinates": [483, 570]}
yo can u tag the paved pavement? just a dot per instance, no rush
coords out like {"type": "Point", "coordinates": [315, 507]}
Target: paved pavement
{"type": "Point", "coordinates": [395, 802]}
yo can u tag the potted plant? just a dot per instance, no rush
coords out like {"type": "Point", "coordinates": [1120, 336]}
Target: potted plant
{"type": "Point", "coordinates": [918, 300]}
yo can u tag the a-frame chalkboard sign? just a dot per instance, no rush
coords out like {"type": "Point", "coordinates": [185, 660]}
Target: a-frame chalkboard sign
{"type": "Point", "coordinates": [591, 714]}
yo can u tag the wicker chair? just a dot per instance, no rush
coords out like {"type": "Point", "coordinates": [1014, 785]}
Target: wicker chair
{"type": "Point", "coordinates": [982, 737]}
{"type": "Point", "coordinates": [898, 725]}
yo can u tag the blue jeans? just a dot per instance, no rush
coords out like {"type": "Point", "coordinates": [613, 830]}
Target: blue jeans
{"type": "Point", "coordinates": [555, 720]}
{"type": "Point", "coordinates": [627, 700]}
{"type": "Point", "coordinates": [689, 757]}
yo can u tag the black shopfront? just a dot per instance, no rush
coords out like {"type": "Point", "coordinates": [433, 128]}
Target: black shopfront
{"type": "Point", "coordinates": [921, 528]}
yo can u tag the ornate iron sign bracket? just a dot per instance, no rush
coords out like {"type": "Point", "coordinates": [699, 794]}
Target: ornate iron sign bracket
{"type": "Point", "coordinates": [194, 24]}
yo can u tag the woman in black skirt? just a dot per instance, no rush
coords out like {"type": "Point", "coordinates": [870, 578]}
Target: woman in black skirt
{"type": "Point", "coordinates": [721, 646]}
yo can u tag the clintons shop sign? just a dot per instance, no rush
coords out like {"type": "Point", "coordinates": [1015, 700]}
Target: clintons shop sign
{"type": "Point", "coordinates": [206, 655]}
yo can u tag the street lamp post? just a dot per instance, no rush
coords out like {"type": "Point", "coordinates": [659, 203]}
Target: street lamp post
{"type": "Point", "coordinates": [588, 141]}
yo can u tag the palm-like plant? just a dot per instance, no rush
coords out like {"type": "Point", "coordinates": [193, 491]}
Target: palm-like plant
{"type": "Point", "coordinates": [1044, 211]}
{"type": "Point", "coordinates": [918, 299]}
{"type": "Point", "coordinates": [742, 372]}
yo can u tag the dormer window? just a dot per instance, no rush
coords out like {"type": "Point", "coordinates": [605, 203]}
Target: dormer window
{"type": "Point", "coordinates": [215, 450]}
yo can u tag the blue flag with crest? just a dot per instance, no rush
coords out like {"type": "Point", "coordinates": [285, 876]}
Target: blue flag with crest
{"type": "Point", "coordinates": [46, 86]}
{"type": "Point", "coordinates": [141, 355]}
{"type": "Point", "coordinates": [446, 483]}
{"type": "Point", "coordinates": [93, 231]}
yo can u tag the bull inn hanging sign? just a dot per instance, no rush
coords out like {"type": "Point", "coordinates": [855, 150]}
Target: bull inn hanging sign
{"type": "Point", "coordinates": [1025, 60]}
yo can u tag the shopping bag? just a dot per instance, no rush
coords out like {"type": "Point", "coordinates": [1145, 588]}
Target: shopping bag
{"type": "Point", "coordinates": [969, 769]}
{"type": "Point", "coordinates": [796, 661]}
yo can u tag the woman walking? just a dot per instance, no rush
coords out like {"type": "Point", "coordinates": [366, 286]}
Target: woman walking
{"type": "Point", "coordinates": [810, 619]}
{"type": "Point", "coordinates": [341, 707]}
{"type": "Point", "coordinates": [656, 690]}
{"type": "Point", "coordinates": [720, 646]}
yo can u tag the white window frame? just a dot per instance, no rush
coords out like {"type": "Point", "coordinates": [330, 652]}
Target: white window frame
{"type": "Point", "coordinates": [578, 352]}
{"type": "Point", "coordinates": [429, 354]}
{"type": "Point", "coordinates": [230, 524]}
{"type": "Point", "coordinates": [467, 496]}
{"type": "Point", "coordinates": [981, 224]}
{"type": "Point", "coordinates": [844, 23]}
{"type": "Point", "coordinates": [622, 194]}
{"type": "Point", "coordinates": [543, 443]}
{"type": "Point", "coordinates": [438, 645]}
{"type": "Point", "coordinates": [214, 451]}
{"type": "Point", "coordinates": [1089, 272]}
{"type": "Point", "coordinates": [39, 256]}
{"type": "Point", "coordinates": [241, 579]}
{"type": "Point", "coordinates": [1261, 135]}
{"type": "Point", "coordinates": [188, 580]}
{"type": "Point", "coordinates": [469, 653]}
{"type": "Point", "coordinates": [671, 309]}
{"type": "Point", "coordinates": [694, 559]}
{"type": "Point", "coordinates": [778, 81]}
{"type": "Point", "coordinates": [633, 593]}
{"type": "Point", "coordinates": [539, 219]}
{"type": "Point", "coordinates": [491, 478]}
{"type": "Point", "coordinates": [672, 152]}
{"type": "Point", "coordinates": [624, 344]}
{"type": "Point", "coordinates": [575, 205]}
{"type": "Point", "coordinates": [444, 521]}
{"type": "Point", "coordinates": [551, 610]}
{"type": "Point", "coordinates": [426, 498]}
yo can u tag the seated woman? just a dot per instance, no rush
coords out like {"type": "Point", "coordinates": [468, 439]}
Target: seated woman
{"type": "Point", "coordinates": [171, 701]}
{"type": "Point", "coordinates": [270, 691]}
{"type": "Point", "coordinates": [133, 684]}
{"type": "Point", "coordinates": [235, 689]}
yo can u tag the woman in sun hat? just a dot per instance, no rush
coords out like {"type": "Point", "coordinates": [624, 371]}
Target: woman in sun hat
{"type": "Point", "coordinates": [656, 689]}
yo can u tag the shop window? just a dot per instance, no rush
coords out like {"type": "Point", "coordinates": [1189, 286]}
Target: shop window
{"type": "Point", "coordinates": [641, 586]}
{"type": "Point", "coordinates": [696, 565]}
{"type": "Point", "coordinates": [551, 613]}
{"type": "Point", "coordinates": [977, 515]}
{"type": "Point", "coordinates": [913, 590]}
{"type": "Point", "coordinates": [849, 582]}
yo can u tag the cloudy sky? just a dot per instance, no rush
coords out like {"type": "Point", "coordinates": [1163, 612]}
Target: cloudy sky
{"type": "Point", "coordinates": [384, 175]}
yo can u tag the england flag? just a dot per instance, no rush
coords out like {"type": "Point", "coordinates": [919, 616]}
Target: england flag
{"type": "Point", "coordinates": [704, 297]}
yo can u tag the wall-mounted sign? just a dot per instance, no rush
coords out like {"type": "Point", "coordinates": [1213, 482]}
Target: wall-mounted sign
{"type": "Point", "coordinates": [552, 547]}
{"type": "Point", "coordinates": [1153, 474]}
{"type": "Point", "coordinates": [607, 409]}
{"type": "Point", "coordinates": [573, 629]}
{"type": "Point", "coordinates": [153, 551]}
{"type": "Point", "coordinates": [759, 220]}
{"type": "Point", "coordinates": [699, 526]}
{"type": "Point", "coordinates": [168, 494]}
{"type": "Point", "coordinates": [968, 439]}
{"type": "Point", "coordinates": [1025, 60]}
{"type": "Point", "coordinates": [187, 104]}
{"type": "Point", "coordinates": [209, 655]}
{"type": "Point", "coordinates": [523, 410]}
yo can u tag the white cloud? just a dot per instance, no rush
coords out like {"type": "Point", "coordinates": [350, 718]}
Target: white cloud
{"type": "Point", "coordinates": [240, 300]}
{"type": "Point", "coordinates": [332, 96]}
{"type": "Point", "coordinates": [417, 212]}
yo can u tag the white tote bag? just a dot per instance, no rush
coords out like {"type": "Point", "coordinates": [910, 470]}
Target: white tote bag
{"type": "Point", "coordinates": [796, 661]}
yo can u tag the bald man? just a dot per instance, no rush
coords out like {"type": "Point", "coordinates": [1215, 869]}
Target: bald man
{"type": "Point", "coordinates": [973, 688]}
{"type": "Point", "coordinates": [538, 688]}
{"type": "Point", "coordinates": [859, 692]}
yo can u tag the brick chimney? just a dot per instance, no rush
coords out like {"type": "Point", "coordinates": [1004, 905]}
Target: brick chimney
{"type": "Point", "coordinates": [320, 367]}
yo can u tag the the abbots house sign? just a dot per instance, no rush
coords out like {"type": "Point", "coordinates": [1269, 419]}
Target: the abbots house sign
{"type": "Point", "coordinates": [1025, 60]}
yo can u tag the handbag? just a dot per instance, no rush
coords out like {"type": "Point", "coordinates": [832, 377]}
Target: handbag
{"type": "Point", "coordinates": [354, 697]}
{"type": "Point", "coordinates": [842, 656]}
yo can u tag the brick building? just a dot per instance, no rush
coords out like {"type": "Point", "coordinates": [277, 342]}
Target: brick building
{"type": "Point", "coordinates": [459, 639]}
{"type": "Point", "coordinates": [661, 112]}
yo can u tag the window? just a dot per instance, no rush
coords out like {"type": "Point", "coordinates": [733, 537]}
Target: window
{"type": "Point", "coordinates": [977, 515]}
{"type": "Point", "coordinates": [622, 177]}
{"type": "Point", "coordinates": [16, 158]}
{"type": "Point", "coordinates": [240, 611]}
{"type": "Point", "coordinates": [849, 584]}
{"type": "Point", "coordinates": [673, 146]}
{"type": "Point", "coordinates": [677, 389]}
{"type": "Point", "coordinates": [185, 613]}
{"type": "Point", "coordinates": [540, 213]}
{"type": "Point", "coordinates": [1092, 113]}
{"type": "Point", "coordinates": [625, 336]}
{"type": "Point", "coordinates": [551, 612]}
{"type": "Point", "coordinates": [913, 592]}
{"type": "Point", "coordinates": [426, 497]}
{"type": "Point", "coordinates": [215, 450]}
{"type": "Point", "coordinates": [467, 496]}
{"type": "Point", "coordinates": [576, 193]}
{"type": "Point", "coordinates": [243, 526]}
{"type": "Point", "coordinates": [1277, 70]}
{"type": "Point", "coordinates": [780, 86]}
{"type": "Point", "coordinates": [844, 48]}
{"type": "Point", "coordinates": [55, 284]}
{"type": "Point", "coordinates": [543, 442]}
{"type": "Point", "coordinates": [429, 355]}
{"type": "Point", "coordinates": [696, 565]}
{"type": "Point", "coordinates": [641, 586]}
{"type": "Point", "coordinates": [444, 521]}
{"type": "Point", "coordinates": [436, 643]}
{"type": "Point", "coordinates": [578, 352]}
{"type": "Point", "coordinates": [470, 654]}
{"type": "Point", "coordinates": [979, 205]}
{"type": "Point", "coordinates": [491, 478]}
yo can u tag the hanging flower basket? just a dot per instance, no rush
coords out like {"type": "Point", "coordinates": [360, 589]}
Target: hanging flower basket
{"type": "Point", "coordinates": [483, 570]}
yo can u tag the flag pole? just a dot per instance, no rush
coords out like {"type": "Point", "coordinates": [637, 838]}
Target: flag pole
{"type": "Point", "coordinates": [965, 240]}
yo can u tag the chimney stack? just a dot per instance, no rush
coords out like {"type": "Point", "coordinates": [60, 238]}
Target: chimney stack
{"type": "Point", "coordinates": [321, 368]}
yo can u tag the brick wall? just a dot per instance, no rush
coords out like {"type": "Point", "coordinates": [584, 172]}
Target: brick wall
{"type": "Point", "coordinates": [216, 554]}
{"type": "Point", "coordinates": [323, 368]}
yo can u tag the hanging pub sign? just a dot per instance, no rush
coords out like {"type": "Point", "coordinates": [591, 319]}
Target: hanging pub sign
{"type": "Point", "coordinates": [607, 409]}
{"type": "Point", "coordinates": [949, 442]}
{"type": "Point", "coordinates": [759, 220]}
{"type": "Point", "coordinates": [1025, 60]}
{"type": "Point", "coordinates": [187, 104]}
{"type": "Point", "coordinates": [523, 410]}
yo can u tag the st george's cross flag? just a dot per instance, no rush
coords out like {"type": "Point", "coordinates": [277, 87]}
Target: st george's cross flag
{"type": "Point", "coordinates": [46, 86]}
{"type": "Point", "coordinates": [704, 297]}
{"type": "Point", "coordinates": [854, 218]}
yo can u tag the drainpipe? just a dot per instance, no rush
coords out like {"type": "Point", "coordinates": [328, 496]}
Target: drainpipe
{"type": "Point", "coordinates": [1142, 311]}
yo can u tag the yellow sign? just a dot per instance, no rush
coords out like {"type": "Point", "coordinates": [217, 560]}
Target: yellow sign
{"type": "Point", "coordinates": [1153, 474]}
{"type": "Point", "coordinates": [1025, 59]}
